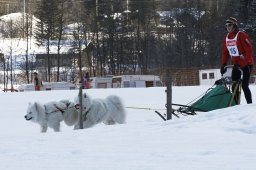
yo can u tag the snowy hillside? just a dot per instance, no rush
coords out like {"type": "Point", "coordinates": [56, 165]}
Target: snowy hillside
{"type": "Point", "coordinates": [218, 140]}
{"type": "Point", "coordinates": [15, 22]}
{"type": "Point", "coordinates": [19, 18]}
{"type": "Point", "coordinates": [17, 46]}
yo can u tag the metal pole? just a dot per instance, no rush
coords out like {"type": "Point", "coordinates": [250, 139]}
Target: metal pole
{"type": "Point", "coordinates": [169, 97]}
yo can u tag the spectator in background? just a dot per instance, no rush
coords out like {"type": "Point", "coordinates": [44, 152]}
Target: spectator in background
{"type": "Point", "coordinates": [81, 82]}
{"type": "Point", "coordinates": [87, 83]}
{"type": "Point", "coordinates": [37, 82]}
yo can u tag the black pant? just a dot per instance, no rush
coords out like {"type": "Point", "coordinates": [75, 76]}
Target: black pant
{"type": "Point", "coordinates": [236, 75]}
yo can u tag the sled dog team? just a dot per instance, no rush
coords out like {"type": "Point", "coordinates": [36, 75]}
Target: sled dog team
{"type": "Point", "coordinates": [109, 111]}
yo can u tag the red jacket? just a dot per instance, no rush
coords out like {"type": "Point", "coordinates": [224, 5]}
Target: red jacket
{"type": "Point", "coordinates": [244, 47]}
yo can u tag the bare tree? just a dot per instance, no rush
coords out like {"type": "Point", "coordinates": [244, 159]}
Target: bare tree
{"type": "Point", "coordinates": [59, 31]}
{"type": "Point", "coordinates": [46, 28]}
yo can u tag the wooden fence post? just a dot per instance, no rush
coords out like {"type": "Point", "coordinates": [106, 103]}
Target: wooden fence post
{"type": "Point", "coordinates": [169, 97]}
{"type": "Point", "coordinates": [80, 95]}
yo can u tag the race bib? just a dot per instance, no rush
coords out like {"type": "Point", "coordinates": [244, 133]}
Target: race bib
{"type": "Point", "coordinates": [232, 48]}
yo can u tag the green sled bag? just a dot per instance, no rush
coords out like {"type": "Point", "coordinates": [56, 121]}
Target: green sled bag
{"type": "Point", "coordinates": [215, 98]}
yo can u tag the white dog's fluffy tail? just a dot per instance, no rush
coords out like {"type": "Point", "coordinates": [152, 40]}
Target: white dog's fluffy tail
{"type": "Point", "coordinates": [119, 114]}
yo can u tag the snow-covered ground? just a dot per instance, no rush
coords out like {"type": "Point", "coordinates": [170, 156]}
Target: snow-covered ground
{"type": "Point", "coordinates": [219, 140]}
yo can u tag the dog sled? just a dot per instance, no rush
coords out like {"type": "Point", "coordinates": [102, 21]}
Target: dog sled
{"type": "Point", "coordinates": [224, 93]}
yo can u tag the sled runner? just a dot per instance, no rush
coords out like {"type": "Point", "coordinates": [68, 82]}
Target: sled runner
{"type": "Point", "coordinates": [224, 93]}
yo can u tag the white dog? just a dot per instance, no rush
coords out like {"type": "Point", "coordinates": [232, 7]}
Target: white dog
{"type": "Point", "coordinates": [109, 110]}
{"type": "Point", "coordinates": [51, 114]}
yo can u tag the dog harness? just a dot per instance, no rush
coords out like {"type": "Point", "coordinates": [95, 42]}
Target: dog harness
{"type": "Point", "coordinates": [58, 109]}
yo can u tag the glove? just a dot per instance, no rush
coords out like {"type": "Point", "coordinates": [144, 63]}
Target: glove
{"type": "Point", "coordinates": [217, 82]}
{"type": "Point", "coordinates": [223, 69]}
{"type": "Point", "coordinates": [236, 66]}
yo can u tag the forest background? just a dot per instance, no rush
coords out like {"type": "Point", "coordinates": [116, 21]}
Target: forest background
{"type": "Point", "coordinates": [134, 36]}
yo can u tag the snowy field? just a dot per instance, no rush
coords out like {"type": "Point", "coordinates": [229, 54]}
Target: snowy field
{"type": "Point", "coordinates": [219, 140]}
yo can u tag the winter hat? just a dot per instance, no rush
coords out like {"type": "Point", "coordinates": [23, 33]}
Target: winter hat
{"type": "Point", "coordinates": [232, 20]}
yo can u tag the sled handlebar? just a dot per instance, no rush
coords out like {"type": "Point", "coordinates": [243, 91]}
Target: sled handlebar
{"type": "Point", "coordinates": [231, 66]}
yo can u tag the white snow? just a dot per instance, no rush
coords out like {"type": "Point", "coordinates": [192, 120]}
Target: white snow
{"type": "Point", "coordinates": [17, 46]}
{"type": "Point", "coordinates": [18, 17]}
{"type": "Point", "coordinates": [219, 140]}
{"type": "Point", "coordinates": [18, 20]}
